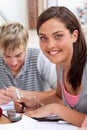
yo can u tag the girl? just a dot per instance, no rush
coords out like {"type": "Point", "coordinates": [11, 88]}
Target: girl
{"type": "Point", "coordinates": [63, 43]}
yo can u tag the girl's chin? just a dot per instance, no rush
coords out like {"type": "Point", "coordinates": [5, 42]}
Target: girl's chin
{"type": "Point", "coordinates": [53, 61]}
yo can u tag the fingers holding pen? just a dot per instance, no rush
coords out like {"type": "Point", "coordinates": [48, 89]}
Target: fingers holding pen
{"type": "Point", "coordinates": [8, 92]}
{"type": "Point", "coordinates": [12, 91]}
{"type": "Point", "coordinates": [4, 97]}
{"type": "Point", "coordinates": [23, 100]}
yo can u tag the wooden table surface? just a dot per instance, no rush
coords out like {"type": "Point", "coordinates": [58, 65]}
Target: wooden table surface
{"type": "Point", "coordinates": [4, 120]}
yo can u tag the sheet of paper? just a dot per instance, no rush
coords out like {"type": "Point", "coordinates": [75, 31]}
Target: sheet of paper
{"type": "Point", "coordinates": [28, 123]}
{"type": "Point", "coordinates": [8, 106]}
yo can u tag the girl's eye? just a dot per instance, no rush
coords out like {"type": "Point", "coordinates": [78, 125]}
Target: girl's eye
{"type": "Point", "coordinates": [43, 39]}
{"type": "Point", "coordinates": [58, 36]}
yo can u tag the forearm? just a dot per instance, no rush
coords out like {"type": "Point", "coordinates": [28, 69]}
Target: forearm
{"type": "Point", "coordinates": [36, 94]}
{"type": "Point", "coordinates": [54, 98]}
{"type": "Point", "coordinates": [84, 124]}
{"type": "Point", "coordinates": [70, 115]}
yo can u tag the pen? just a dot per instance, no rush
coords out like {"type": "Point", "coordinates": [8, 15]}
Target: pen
{"type": "Point", "coordinates": [18, 94]}
{"type": "Point", "coordinates": [4, 87]}
{"type": "Point", "coordinates": [19, 97]}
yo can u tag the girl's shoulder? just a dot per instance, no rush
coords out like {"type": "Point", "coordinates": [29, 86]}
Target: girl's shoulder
{"type": "Point", "coordinates": [85, 67]}
{"type": "Point", "coordinates": [85, 71]}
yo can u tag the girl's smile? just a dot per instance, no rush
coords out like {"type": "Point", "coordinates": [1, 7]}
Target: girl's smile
{"type": "Point", "coordinates": [57, 44]}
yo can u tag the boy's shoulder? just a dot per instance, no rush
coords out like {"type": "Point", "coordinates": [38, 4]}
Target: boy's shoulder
{"type": "Point", "coordinates": [33, 51]}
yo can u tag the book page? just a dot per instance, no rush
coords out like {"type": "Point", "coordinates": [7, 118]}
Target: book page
{"type": "Point", "coordinates": [28, 123]}
{"type": "Point", "coordinates": [8, 106]}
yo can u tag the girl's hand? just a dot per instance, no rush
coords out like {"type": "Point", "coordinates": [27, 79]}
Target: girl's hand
{"type": "Point", "coordinates": [41, 112]}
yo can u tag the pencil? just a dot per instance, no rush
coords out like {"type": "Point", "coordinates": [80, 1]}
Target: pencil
{"type": "Point", "coordinates": [4, 87]}
{"type": "Point", "coordinates": [19, 97]}
{"type": "Point", "coordinates": [18, 94]}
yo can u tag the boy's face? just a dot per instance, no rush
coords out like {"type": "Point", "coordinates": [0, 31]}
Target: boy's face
{"type": "Point", "coordinates": [15, 59]}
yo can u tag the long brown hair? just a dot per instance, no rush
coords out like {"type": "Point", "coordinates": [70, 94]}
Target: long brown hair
{"type": "Point", "coordinates": [79, 48]}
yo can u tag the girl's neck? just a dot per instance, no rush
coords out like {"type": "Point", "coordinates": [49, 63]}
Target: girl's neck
{"type": "Point", "coordinates": [68, 86]}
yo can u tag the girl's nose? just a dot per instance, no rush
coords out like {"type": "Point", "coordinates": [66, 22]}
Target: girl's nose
{"type": "Point", "coordinates": [51, 43]}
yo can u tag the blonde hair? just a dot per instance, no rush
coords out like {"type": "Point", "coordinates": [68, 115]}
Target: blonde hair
{"type": "Point", "coordinates": [12, 36]}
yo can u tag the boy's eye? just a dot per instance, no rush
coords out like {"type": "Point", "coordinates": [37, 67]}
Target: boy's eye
{"type": "Point", "coordinates": [19, 55]}
{"type": "Point", "coordinates": [6, 56]}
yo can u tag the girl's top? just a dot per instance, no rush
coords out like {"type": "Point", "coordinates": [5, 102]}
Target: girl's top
{"type": "Point", "coordinates": [81, 102]}
{"type": "Point", "coordinates": [71, 99]}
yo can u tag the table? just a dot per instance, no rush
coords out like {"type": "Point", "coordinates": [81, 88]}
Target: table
{"type": "Point", "coordinates": [4, 120]}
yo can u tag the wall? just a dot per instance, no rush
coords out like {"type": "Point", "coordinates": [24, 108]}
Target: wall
{"type": "Point", "coordinates": [72, 4]}
{"type": "Point", "coordinates": [15, 10]}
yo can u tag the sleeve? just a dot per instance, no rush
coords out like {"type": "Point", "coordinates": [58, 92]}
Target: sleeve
{"type": "Point", "coordinates": [47, 70]}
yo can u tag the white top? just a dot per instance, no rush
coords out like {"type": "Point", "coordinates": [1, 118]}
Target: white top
{"type": "Point", "coordinates": [47, 70]}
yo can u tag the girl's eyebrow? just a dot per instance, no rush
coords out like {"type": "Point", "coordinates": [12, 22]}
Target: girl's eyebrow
{"type": "Point", "coordinates": [57, 32]}
{"type": "Point", "coordinates": [53, 33]}
{"type": "Point", "coordinates": [41, 34]}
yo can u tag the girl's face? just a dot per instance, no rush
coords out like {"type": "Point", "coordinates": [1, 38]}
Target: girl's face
{"type": "Point", "coordinates": [15, 59]}
{"type": "Point", "coordinates": [56, 41]}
